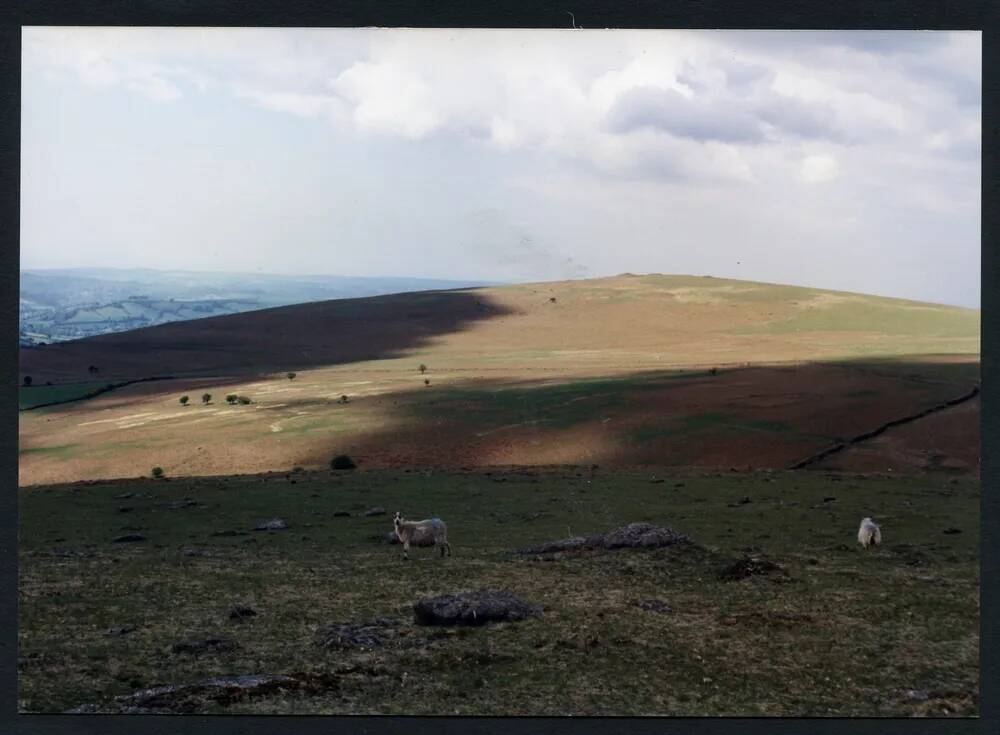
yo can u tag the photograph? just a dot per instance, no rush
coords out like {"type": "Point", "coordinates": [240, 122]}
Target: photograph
{"type": "Point", "coordinates": [570, 372]}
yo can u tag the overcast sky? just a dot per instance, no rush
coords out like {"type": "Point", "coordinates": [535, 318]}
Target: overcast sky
{"type": "Point", "coordinates": [830, 159]}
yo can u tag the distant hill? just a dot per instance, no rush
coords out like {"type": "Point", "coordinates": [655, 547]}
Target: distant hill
{"type": "Point", "coordinates": [64, 304]}
{"type": "Point", "coordinates": [675, 371]}
{"type": "Point", "coordinates": [631, 321]}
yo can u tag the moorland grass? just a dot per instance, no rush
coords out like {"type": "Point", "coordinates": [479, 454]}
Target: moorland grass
{"type": "Point", "coordinates": [758, 646]}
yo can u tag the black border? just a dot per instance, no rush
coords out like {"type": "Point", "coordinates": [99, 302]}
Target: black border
{"type": "Point", "coordinates": [734, 14]}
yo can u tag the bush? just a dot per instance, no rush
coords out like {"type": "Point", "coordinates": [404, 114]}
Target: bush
{"type": "Point", "coordinates": [184, 400]}
{"type": "Point", "coordinates": [713, 371]}
{"type": "Point", "coordinates": [206, 397]}
{"type": "Point", "coordinates": [291, 376]}
{"type": "Point", "coordinates": [157, 472]}
{"type": "Point", "coordinates": [27, 381]}
{"type": "Point", "coordinates": [244, 401]}
{"type": "Point", "coordinates": [422, 368]}
{"type": "Point", "coordinates": [342, 462]}
{"type": "Point", "coordinates": [427, 381]}
{"type": "Point", "coordinates": [231, 398]}
{"type": "Point", "coordinates": [343, 399]}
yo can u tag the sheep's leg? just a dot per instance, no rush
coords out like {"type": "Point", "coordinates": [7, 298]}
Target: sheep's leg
{"type": "Point", "coordinates": [406, 549]}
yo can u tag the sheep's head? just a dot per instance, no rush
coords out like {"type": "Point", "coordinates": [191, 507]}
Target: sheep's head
{"type": "Point", "coordinates": [397, 519]}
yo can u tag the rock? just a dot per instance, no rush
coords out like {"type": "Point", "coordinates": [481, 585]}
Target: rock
{"type": "Point", "coordinates": [178, 504]}
{"type": "Point", "coordinates": [657, 606]}
{"type": "Point", "coordinates": [128, 538]}
{"type": "Point", "coordinates": [951, 531]}
{"type": "Point", "coordinates": [125, 509]}
{"type": "Point", "coordinates": [742, 501]}
{"type": "Point", "coordinates": [70, 553]}
{"type": "Point", "coordinates": [341, 514]}
{"type": "Point", "coordinates": [229, 533]}
{"type": "Point", "coordinates": [224, 690]}
{"type": "Point", "coordinates": [916, 695]}
{"type": "Point", "coordinates": [374, 512]}
{"type": "Point", "coordinates": [385, 538]}
{"type": "Point", "coordinates": [365, 636]}
{"type": "Point", "coordinates": [212, 644]}
{"type": "Point", "coordinates": [124, 496]}
{"type": "Point", "coordinates": [634, 535]}
{"type": "Point", "coordinates": [239, 612]}
{"type": "Point", "coordinates": [275, 524]}
{"type": "Point", "coordinates": [748, 566]}
{"type": "Point", "coordinates": [473, 608]}
{"type": "Point", "coordinates": [118, 632]}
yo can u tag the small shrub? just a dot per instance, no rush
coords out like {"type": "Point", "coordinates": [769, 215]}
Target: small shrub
{"type": "Point", "coordinates": [244, 401]}
{"type": "Point", "coordinates": [713, 371]}
{"type": "Point", "coordinates": [422, 368]}
{"type": "Point", "coordinates": [157, 472]}
{"type": "Point", "coordinates": [342, 462]}
{"type": "Point", "coordinates": [184, 400]}
{"type": "Point", "coordinates": [297, 468]}
{"type": "Point", "coordinates": [291, 376]}
{"type": "Point", "coordinates": [427, 381]}
{"type": "Point", "coordinates": [27, 381]}
{"type": "Point", "coordinates": [231, 398]}
{"type": "Point", "coordinates": [343, 399]}
{"type": "Point", "coordinates": [206, 397]}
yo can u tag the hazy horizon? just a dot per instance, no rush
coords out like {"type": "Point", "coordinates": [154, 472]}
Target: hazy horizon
{"type": "Point", "coordinates": [836, 160]}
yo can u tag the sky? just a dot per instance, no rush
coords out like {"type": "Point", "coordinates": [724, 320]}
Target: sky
{"type": "Point", "coordinates": [843, 160]}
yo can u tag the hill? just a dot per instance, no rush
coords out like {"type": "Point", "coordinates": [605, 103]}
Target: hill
{"type": "Point", "coordinates": [613, 370]}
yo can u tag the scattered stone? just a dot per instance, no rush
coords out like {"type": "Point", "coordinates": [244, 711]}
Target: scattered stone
{"type": "Point", "coordinates": [366, 636]}
{"type": "Point", "coordinates": [70, 553]}
{"type": "Point", "coordinates": [374, 512]}
{"type": "Point", "coordinates": [239, 612]}
{"type": "Point", "coordinates": [118, 632]}
{"type": "Point", "coordinates": [951, 531]}
{"type": "Point", "coordinates": [634, 535]}
{"type": "Point", "coordinates": [748, 566]}
{"type": "Point", "coordinates": [473, 608]}
{"type": "Point", "coordinates": [224, 690]}
{"type": "Point", "coordinates": [742, 501]}
{"type": "Point", "coordinates": [196, 552]}
{"type": "Point", "coordinates": [341, 514]}
{"type": "Point", "coordinates": [829, 499]}
{"type": "Point", "coordinates": [124, 496]}
{"type": "Point", "coordinates": [229, 533]}
{"type": "Point", "coordinates": [656, 480]}
{"type": "Point", "coordinates": [916, 695]}
{"type": "Point", "coordinates": [212, 644]}
{"type": "Point", "coordinates": [178, 504]}
{"type": "Point", "coordinates": [275, 524]}
{"type": "Point", "coordinates": [657, 606]}
{"type": "Point", "coordinates": [128, 538]}
{"type": "Point", "coordinates": [125, 509]}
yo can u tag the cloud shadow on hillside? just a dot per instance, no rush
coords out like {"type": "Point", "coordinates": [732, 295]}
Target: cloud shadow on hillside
{"type": "Point", "coordinates": [297, 337]}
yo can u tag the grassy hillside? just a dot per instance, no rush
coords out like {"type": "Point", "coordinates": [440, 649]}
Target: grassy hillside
{"type": "Point", "coordinates": [616, 370]}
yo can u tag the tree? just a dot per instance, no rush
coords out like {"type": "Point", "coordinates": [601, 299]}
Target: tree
{"type": "Point", "coordinates": [92, 369]}
{"type": "Point", "coordinates": [231, 399]}
{"type": "Point", "coordinates": [291, 376]}
{"type": "Point", "coordinates": [157, 472]}
{"type": "Point", "coordinates": [27, 381]}
{"type": "Point", "coordinates": [422, 368]}
{"type": "Point", "coordinates": [206, 397]}
{"type": "Point", "coordinates": [184, 400]}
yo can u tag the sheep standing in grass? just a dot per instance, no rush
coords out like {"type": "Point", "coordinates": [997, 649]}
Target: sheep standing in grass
{"type": "Point", "coordinates": [869, 534]}
{"type": "Point", "coordinates": [429, 532]}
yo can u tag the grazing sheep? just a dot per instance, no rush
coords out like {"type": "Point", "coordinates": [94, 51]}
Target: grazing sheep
{"type": "Point", "coordinates": [429, 532]}
{"type": "Point", "coordinates": [869, 534]}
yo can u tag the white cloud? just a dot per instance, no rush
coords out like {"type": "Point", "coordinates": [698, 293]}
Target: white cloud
{"type": "Point", "coordinates": [819, 169]}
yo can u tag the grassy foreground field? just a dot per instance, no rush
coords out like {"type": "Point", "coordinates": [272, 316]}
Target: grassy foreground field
{"type": "Point", "coordinates": [843, 632]}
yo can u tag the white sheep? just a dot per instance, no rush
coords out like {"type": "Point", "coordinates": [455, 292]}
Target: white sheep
{"type": "Point", "coordinates": [429, 532]}
{"type": "Point", "coordinates": [869, 534]}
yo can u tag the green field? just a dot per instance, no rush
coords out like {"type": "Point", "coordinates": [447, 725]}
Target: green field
{"type": "Point", "coordinates": [767, 645]}
{"type": "Point", "coordinates": [38, 395]}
